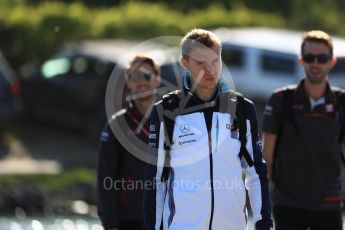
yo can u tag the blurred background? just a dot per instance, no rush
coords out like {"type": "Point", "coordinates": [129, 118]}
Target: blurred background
{"type": "Point", "coordinates": [56, 57]}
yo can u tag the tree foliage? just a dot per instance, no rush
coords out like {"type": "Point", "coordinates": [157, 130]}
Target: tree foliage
{"type": "Point", "coordinates": [35, 30]}
{"type": "Point", "coordinates": [32, 29]}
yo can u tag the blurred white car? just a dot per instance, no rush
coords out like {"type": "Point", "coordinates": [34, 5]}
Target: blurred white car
{"type": "Point", "coordinates": [261, 60]}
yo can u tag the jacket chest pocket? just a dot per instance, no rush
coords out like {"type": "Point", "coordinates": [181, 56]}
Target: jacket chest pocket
{"type": "Point", "coordinates": [231, 144]}
{"type": "Point", "coordinates": [225, 138]}
{"type": "Point", "coordinates": [190, 139]}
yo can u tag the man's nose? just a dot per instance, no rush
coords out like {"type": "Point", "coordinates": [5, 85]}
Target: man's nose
{"type": "Point", "coordinates": [209, 68]}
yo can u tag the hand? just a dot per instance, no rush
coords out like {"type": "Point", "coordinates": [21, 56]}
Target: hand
{"type": "Point", "coordinates": [263, 225]}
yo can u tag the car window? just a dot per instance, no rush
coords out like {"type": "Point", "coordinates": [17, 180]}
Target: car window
{"type": "Point", "coordinates": [103, 68]}
{"type": "Point", "coordinates": [55, 67]}
{"type": "Point", "coordinates": [233, 55]}
{"type": "Point", "coordinates": [77, 65]}
{"type": "Point", "coordinates": [80, 65]}
{"type": "Point", "coordinates": [280, 63]}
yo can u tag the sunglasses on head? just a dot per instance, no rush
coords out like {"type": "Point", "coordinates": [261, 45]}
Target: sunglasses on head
{"type": "Point", "coordinates": [321, 58]}
{"type": "Point", "coordinates": [136, 77]}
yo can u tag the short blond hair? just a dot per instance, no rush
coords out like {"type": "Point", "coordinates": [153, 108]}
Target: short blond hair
{"type": "Point", "coordinates": [199, 38]}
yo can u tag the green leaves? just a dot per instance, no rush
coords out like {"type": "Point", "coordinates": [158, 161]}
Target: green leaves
{"type": "Point", "coordinates": [35, 28]}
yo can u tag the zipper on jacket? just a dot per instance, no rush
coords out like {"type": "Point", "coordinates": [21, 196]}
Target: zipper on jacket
{"type": "Point", "coordinates": [211, 179]}
{"type": "Point", "coordinates": [208, 113]}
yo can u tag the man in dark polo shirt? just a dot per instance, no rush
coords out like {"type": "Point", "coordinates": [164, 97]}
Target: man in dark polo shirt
{"type": "Point", "coordinates": [302, 136]}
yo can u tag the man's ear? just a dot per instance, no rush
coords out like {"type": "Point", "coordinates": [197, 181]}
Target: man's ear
{"type": "Point", "coordinates": [334, 61]}
{"type": "Point", "coordinates": [185, 63]}
{"type": "Point", "coordinates": [128, 83]}
{"type": "Point", "coordinates": [158, 80]}
{"type": "Point", "coordinates": [300, 60]}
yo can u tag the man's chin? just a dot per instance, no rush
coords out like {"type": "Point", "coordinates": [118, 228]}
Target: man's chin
{"type": "Point", "coordinates": [210, 84]}
{"type": "Point", "coordinates": [145, 98]}
{"type": "Point", "coordinates": [316, 80]}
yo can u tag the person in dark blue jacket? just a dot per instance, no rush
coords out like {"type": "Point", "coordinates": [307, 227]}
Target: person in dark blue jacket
{"type": "Point", "coordinates": [120, 172]}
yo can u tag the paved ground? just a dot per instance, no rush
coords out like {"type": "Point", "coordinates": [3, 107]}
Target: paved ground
{"type": "Point", "coordinates": [34, 142]}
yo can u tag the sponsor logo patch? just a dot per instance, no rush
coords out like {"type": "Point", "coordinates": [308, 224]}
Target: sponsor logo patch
{"type": "Point", "coordinates": [104, 136]}
{"type": "Point", "coordinates": [152, 136]}
{"type": "Point", "coordinates": [186, 142]}
{"type": "Point", "coordinates": [268, 110]}
{"type": "Point", "coordinates": [234, 134]}
{"type": "Point", "coordinates": [329, 108]}
{"type": "Point", "coordinates": [152, 144]}
{"type": "Point", "coordinates": [184, 128]}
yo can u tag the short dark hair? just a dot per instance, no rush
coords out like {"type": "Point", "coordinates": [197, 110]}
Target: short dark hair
{"type": "Point", "coordinates": [140, 59]}
{"type": "Point", "coordinates": [317, 36]}
{"type": "Point", "coordinates": [199, 38]}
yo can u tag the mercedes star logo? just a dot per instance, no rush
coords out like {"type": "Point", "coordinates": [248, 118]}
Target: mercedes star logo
{"type": "Point", "coordinates": [184, 128]}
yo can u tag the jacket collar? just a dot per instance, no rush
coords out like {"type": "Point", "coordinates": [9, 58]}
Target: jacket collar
{"type": "Point", "coordinates": [301, 94]}
{"type": "Point", "coordinates": [131, 108]}
{"type": "Point", "coordinates": [223, 86]}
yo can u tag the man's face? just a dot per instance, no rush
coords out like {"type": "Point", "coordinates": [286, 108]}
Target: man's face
{"type": "Point", "coordinates": [143, 81]}
{"type": "Point", "coordinates": [316, 61]}
{"type": "Point", "coordinates": [204, 65]}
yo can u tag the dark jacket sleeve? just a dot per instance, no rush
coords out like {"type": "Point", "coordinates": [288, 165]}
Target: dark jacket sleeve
{"type": "Point", "coordinates": [107, 195]}
{"type": "Point", "coordinates": [155, 193]}
{"type": "Point", "coordinates": [342, 115]}
{"type": "Point", "coordinates": [149, 215]}
{"type": "Point", "coordinates": [265, 223]}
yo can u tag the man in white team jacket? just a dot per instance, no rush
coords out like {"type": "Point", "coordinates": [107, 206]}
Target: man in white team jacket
{"type": "Point", "coordinates": [197, 174]}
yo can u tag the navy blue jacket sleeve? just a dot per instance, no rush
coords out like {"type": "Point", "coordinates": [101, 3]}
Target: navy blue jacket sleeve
{"type": "Point", "coordinates": [108, 164]}
{"type": "Point", "coordinates": [258, 175]}
{"type": "Point", "coordinates": [153, 205]}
